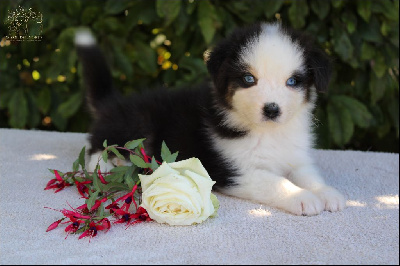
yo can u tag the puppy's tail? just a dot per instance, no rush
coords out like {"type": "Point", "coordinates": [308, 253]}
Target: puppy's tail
{"type": "Point", "coordinates": [96, 73]}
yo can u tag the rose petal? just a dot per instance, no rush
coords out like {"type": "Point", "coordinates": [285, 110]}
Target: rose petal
{"type": "Point", "coordinates": [192, 164]}
{"type": "Point", "coordinates": [163, 170]}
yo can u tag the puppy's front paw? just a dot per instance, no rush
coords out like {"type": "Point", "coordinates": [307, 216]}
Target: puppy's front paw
{"type": "Point", "coordinates": [333, 199]}
{"type": "Point", "coordinates": [303, 202]}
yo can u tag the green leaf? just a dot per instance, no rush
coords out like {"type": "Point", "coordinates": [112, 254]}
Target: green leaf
{"type": "Point", "coordinates": [321, 8]}
{"type": "Point", "coordinates": [105, 143]}
{"type": "Point", "coordinates": [129, 176]}
{"type": "Point", "coordinates": [191, 6]}
{"type": "Point", "coordinates": [18, 108]}
{"type": "Point", "coordinates": [81, 158]}
{"type": "Point", "coordinates": [350, 20]}
{"type": "Point", "coordinates": [371, 31]}
{"type": "Point", "coordinates": [367, 51]}
{"type": "Point", "coordinates": [96, 183]}
{"type": "Point", "coordinates": [358, 111]}
{"type": "Point", "coordinates": [100, 211]}
{"type": "Point", "coordinates": [44, 100]}
{"type": "Point", "coordinates": [154, 165]}
{"type": "Point", "coordinates": [377, 88]}
{"type": "Point", "coordinates": [116, 152]}
{"type": "Point", "coordinates": [171, 158]}
{"type": "Point", "coordinates": [89, 14]}
{"type": "Point", "coordinates": [122, 61]}
{"type": "Point", "coordinates": [364, 9]}
{"type": "Point", "coordinates": [116, 177]}
{"type": "Point", "coordinates": [393, 110]}
{"type": "Point", "coordinates": [75, 165]}
{"type": "Point", "coordinates": [104, 155]}
{"type": "Point", "coordinates": [146, 58]}
{"type": "Point", "coordinates": [298, 11]}
{"type": "Point", "coordinates": [168, 10]}
{"type": "Point", "coordinates": [338, 3]}
{"type": "Point", "coordinates": [271, 7]}
{"type": "Point", "coordinates": [206, 17]}
{"type": "Point", "coordinates": [113, 7]}
{"type": "Point", "coordinates": [129, 181]}
{"type": "Point", "coordinates": [165, 152]}
{"type": "Point", "coordinates": [340, 124]}
{"type": "Point", "coordinates": [344, 47]}
{"type": "Point", "coordinates": [73, 7]}
{"type": "Point", "coordinates": [92, 199]}
{"type": "Point", "coordinates": [71, 106]}
{"type": "Point", "coordinates": [133, 144]}
{"type": "Point", "coordinates": [33, 112]}
{"type": "Point", "coordinates": [115, 186]}
{"type": "Point", "coordinates": [378, 65]}
{"type": "Point", "coordinates": [136, 160]}
{"type": "Point", "coordinates": [389, 9]}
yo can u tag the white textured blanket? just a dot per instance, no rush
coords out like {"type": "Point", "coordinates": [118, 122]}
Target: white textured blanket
{"type": "Point", "coordinates": [366, 232]}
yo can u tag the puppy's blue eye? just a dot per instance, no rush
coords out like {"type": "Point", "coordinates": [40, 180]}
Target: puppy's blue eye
{"type": "Point", "coordinates": [291, 81]}
{"type": "Point", "coordinates": [249, 79]}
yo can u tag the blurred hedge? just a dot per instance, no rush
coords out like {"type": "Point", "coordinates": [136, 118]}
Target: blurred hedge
{"type": "Point", "coordinates": [161, 43]}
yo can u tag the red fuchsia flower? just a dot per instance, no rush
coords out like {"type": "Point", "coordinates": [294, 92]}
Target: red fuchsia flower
{"type": "Point", "coordinates": [113, 206]}
{"type": "Point", "coordinates": [102, 180]}
{"type": "Point", "coordinates": [146, 158]}
{"type": "Point", "coordinates": [141, 215]}
{"type": "Point", "coordinates": [83, 209]}
{"type": "Point", "coordinates": [96, 205]}
{"type": "Point", "coordinates": [82, 189]}
{"type": "Point", "coordinates": [103, 224]}
{"type": "Point", "coordinates": [74, 226]}
{"type": "Point", "coordinates": [54, 225]}
{"type": "Point", "coordinates": [75, 218]}
{"type": "Point", "coordinates": [74, 214]}
{"type": "Point", "coordinates": [124, 216]}
{"type": "Point", "coordinates": [128, 198]}
{"type": "Point", "coordinates": [57, 183]}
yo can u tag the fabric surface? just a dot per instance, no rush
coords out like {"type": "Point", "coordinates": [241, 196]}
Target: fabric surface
{"type": "Point", "coordinates": [366, 232]}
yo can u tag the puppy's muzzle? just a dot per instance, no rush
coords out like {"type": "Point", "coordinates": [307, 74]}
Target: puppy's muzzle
{"type": "Point", "coordinates": [271, 110]}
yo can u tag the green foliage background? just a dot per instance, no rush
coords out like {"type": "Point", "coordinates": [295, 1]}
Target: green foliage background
{"type": "Point", "coordinates": [161, 43]}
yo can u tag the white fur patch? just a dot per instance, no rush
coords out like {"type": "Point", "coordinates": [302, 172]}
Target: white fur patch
{"type": "Point", "coordinates": [97, 158]}
{"type": "Point", "coordinates": [273, 56]}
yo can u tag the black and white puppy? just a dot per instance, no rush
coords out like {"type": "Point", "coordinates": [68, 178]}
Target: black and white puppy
{"type": "Point", "coordinates": [250, 127]}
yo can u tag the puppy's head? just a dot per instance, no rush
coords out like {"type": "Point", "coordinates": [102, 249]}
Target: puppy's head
{"type": "Point", "coordinates": [266, 74]}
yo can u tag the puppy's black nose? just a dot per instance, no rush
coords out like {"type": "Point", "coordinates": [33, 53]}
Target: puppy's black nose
{"type": "Point", "coordinates": [271, 110]}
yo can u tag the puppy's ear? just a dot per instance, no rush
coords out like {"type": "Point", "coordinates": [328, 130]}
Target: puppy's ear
{"type": "Point", "coordinates": [216, 58]}
{"type": "Point", "coordinates": [321, 67]}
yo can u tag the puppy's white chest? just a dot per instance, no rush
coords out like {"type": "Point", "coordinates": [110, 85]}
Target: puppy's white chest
{"type": "Point", "coordinates": [260, 152]}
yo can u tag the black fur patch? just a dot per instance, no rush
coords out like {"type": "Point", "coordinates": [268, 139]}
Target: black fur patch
{"type": "Point", "coordinates": [177, 117]}
{"type": "Point", "coordinates": [318, 64]}
{"type": "Point", "coordinates": [224, 64]}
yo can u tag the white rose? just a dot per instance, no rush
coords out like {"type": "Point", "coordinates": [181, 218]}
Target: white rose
{"type": "Point", "coordinates": [179, 193]}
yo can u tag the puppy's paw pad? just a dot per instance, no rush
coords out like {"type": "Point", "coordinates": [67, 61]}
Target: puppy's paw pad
{"type": "Point", "coordinates": [303, 203]}
{"type": "Point", "coordinates": [333, 199]}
